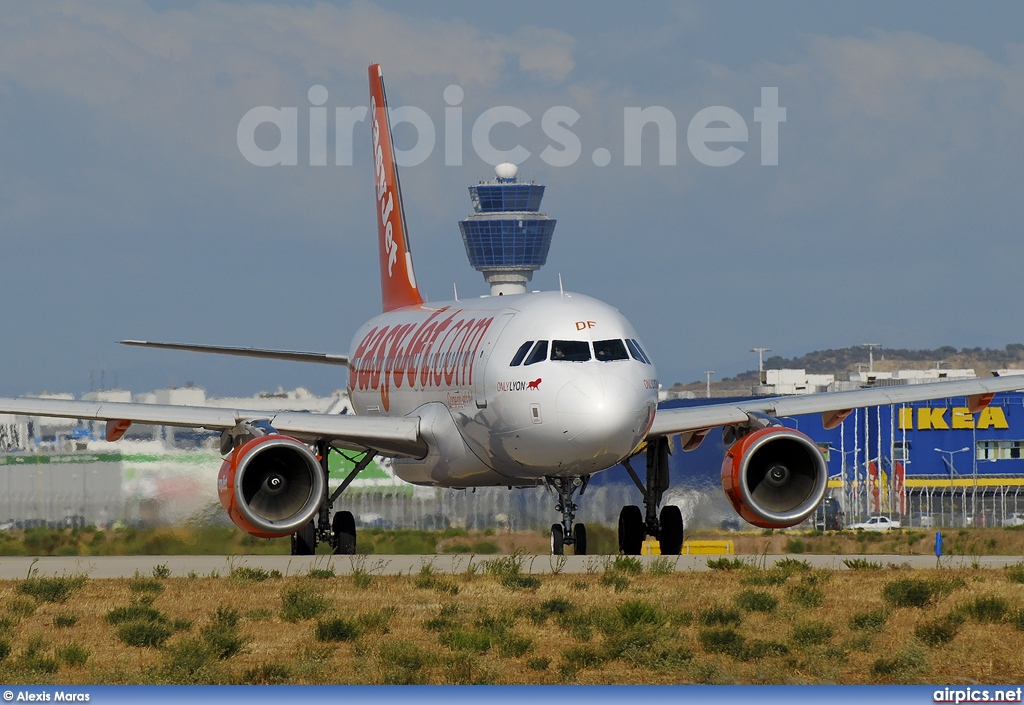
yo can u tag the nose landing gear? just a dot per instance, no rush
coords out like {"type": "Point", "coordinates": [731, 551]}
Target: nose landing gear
{"type": "Point", "coordinates": [566, 533]}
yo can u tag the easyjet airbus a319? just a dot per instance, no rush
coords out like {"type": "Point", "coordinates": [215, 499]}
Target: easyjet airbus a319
{"type": "Point", "coordinates": [517, 390]}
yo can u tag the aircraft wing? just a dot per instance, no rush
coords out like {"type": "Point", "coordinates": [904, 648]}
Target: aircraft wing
{"type": "Point", "coordinates": [389, 435]}
{"type": "Point", "coordinates": [290, 355]}
{"type": "Point", "coordinates": [833, 406]}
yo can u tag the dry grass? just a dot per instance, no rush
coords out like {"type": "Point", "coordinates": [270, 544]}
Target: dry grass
{"type": "Point", "coordinates": [570, 628]}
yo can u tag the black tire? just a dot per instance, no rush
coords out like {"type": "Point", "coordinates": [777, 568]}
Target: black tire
{"type": "Point", "coordinates": [631, 530]}
{"type": "Point", "coordinates": [344, 527]}
{"type": "Point", "coordinates": [304, 541]}
{"type": "Point", "coordinates": [671, 520]}
{"type": "Point", "coordinates": [557, 540]}
{"type": "Point", "coordinates": [579, 535]}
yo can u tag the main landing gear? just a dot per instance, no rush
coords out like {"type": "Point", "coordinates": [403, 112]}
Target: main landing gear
{"type": "Point", "coordinates": [339, 532]}
{"type": "Point", "coordinates": [566, 533]}
{"type": "Point", "coordinates": [667, 526]}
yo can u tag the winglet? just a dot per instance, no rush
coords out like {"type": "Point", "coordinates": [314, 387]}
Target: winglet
{"type": "Point", "coordinates": [397, 280]}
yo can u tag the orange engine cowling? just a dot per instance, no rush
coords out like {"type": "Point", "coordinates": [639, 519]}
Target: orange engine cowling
{"type": "Point", "coordinates": [271, 486]}
{"type": "Point", "coordinates": [775, 477]}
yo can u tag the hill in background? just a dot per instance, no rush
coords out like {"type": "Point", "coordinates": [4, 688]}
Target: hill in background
{"type": "Point", "coordinates": [845, 360]}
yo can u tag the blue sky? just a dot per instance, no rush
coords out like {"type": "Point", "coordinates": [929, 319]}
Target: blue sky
{"type": "Point", "coordinates": [127, 209]}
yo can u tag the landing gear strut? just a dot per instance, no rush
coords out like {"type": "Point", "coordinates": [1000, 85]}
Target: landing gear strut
{"type": "Point", "coordinates": [566, 532]}
{"type": "Point", "coordinates": [339, 532]}
{"type": "Point", "coordinates": [666, 527]}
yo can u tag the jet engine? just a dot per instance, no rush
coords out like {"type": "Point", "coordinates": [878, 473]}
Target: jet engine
{"type": "Point", "coordinates": [775, 477]}
{"type": "Point", "coordinates": [271, 486]}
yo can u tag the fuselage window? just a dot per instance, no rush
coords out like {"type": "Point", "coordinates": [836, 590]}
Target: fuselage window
{"type": "Point", "coordinates": [521, 353]}
{"type": "Point", "coordinates": [539, 353]}
{"type": "Point", "coordinates": [570, 350]}
{"type": "Point", "coordinates": [636, 352]}
{"type": "Point", "coordinates": [608, 350]}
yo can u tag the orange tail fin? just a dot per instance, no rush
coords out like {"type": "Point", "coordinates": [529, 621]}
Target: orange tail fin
{"type": "Point", "coordinates": [397, 280]}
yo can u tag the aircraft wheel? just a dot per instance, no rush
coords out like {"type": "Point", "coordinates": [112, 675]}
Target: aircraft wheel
{"type": "Point", "coordinates": [557, 540]}
{"type": "Point", "coordinates": [304, 541]}
{"type": "Point", "coordinates": [631, 530]}
{"type": "Point", "coordinates": [671, 520]}
{"type": "Point", "coordinates": [579, 534]}
{"type": "Point", "coordinates": [344, 527]}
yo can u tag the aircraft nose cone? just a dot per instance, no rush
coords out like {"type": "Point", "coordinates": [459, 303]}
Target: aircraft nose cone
{"type": "Point", "coordinates": [602, 418]}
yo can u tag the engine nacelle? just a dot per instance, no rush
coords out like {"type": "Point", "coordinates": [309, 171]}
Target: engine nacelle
{"type": "Point", "coordinates": [775, 477]}
{"type": "Point", "coordinates": [271, 486]}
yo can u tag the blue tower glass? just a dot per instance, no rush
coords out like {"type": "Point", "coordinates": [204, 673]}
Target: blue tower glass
{"type": "Point", "coordinates": [507, 237]}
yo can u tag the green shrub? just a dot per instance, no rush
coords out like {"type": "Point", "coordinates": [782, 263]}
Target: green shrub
{"type": "Point", "coordinates": [303, 601]}
{"type": "Point", "coordinates": [910, 592]}
{"type": "Point", "coordinates": [634, 612]}
{"type": "Point", "coordinates": [576, 658]}
{"type": "Point", "coordinates": [538, 663]}
{"type": "Point", "coordinates": [793, 565]}
{"type": "Point", "coordinates": [144, 633]}
{"type": "Point", "coordinates": [267, 674]}
{"type": "Point", "coordinates": [811, 633]}
{"type": "Point", "coordinates": [756, 601]}
{"type": "Point", "coordinates": [514, 646]}
{"type": "Point", "coordinates": [1014, 573]}
{"type": "Point", "coordinates": [627, 565]}
{"type": "Point", "coordinates": [140, 583]}
{"type": "Point", "coordinates": [189, 660]}
{"type": "Point", "coordinates": [721, 640]}
{"type": "Point", "coordinates": [321, 573]}
{"type": "Point", "coordinates": [806, 595]}
{"type": "Point", "coordinates": [870, 621]}
{"type": "Point", "coordinates": [222, 638]}
{"type": "Point", "coordinates": [987, 609]}
{"type": "Point", "coordinates": [5, 649]}
{"type": "Point", "coordinates": [20, 607]}
{"type": "Point", "coordinates": [861, 564]}
{"type": "Point", "coordinates": [1017, 620]}
{"type": "Point", "coordinates": [52, 589]}
{"type": "Point", "coordinates": [905, 665]}
{"type": "Point", "coordinates": [727, 564]}
{"type": "Point", "coordinates": [756, 649]}
{"type": "Point", "coordinates": [73, 654]}
{"type": "Point", "coordinates": [378, 621]}
{"type": "Point", "coordinates": [555, 605]}
{"type": "Point", "coordinates": [161, 571]}
{"type": "Point", "coordinates": [402, 663]}
{"type": "Point", "coordinates": [65, 619]}
{"type": "Point", "coordinates": [937, 632]}
{"type": "Point", "coordinates": [337, 629]}
{"type": "Point", "coordinates": [615, 580]}
{"type": "Point", "coordinates": [244, 572]}
{"type": "Point", "coordinates": [226, 616]}
{"type": "Point", "coordinates": [661, 566]}
{"type": "Point", "coordinates": [719, 616]}
{"type": "Point", "coordinates": [795, 546]}
{"type": "Point", "coordinates": [135, 612]}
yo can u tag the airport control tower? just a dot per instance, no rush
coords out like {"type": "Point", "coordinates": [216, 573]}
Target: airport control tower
{"type": "Point", "coordinates": [507, 237]}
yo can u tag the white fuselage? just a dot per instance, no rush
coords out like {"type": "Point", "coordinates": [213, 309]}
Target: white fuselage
{"type": "Point", "coordinates": [581, 397]}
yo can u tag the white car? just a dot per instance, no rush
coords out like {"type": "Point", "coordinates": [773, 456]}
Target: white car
{"type": "Point", "coordinates": [1014, 519]}
{"type": "Point", "coordinates": [876, 523]}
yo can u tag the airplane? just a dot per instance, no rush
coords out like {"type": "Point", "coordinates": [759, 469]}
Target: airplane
{"type": "Point", "coordinates": [514, 390]}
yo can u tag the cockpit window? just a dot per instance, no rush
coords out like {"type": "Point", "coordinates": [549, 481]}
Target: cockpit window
{"type": "Point", "coordinates": [521, 353]}
{"type": "Point", "coordinates": [570, 350]}
{"type": "Point", "coordinates": [636, 351]}
{"type": "Point", "coordinates": [608, 350]}
{"type": "Point", "coordinates": [539, 353]}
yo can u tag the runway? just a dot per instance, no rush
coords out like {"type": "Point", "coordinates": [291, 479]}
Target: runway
{"type": "Point", "coordinates": [18, 567]}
